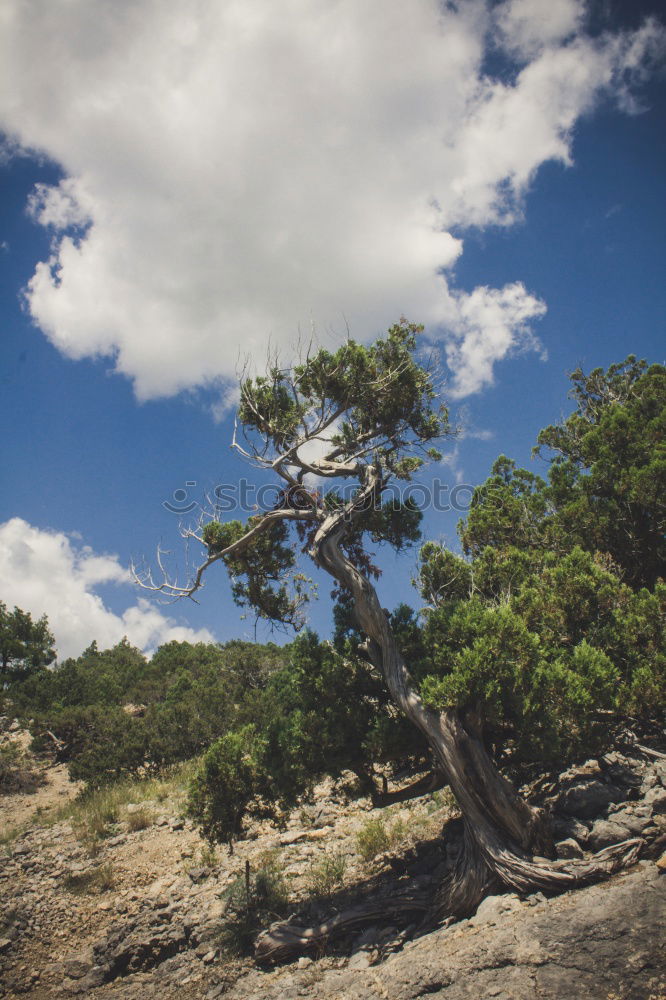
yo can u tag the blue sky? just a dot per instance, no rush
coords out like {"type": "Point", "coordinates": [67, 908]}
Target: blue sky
{"type": "Point", "coordinates": [180, 190]}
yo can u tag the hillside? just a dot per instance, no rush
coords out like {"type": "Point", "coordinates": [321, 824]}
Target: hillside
{"type": "Point", "coordinates": [121, 898]}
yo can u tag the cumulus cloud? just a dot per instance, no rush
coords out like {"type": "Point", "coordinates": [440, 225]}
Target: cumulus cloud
{"type": "Point", "coordinates": [489, 323]}
{"type": "Point", "coordinates": [47, 572]}
{"type": "Point", "coordinates": [528, 26]}
{"type": "Point", "coordinates": [244, 168]}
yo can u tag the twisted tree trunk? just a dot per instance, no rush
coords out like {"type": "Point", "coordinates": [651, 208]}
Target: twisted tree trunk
{"type": "Point", "coordinates": [504, 837]}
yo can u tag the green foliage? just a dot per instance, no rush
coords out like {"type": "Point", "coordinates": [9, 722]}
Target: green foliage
{"type": "Point", "coordinates": [254, 899]}
{"type": "Point", "coordinates": [606, 483]}
{"type": "Point", "coordinates": [555, 626]}
{"type": "Point", "coordinates": [260, 573]}
{"type": "Point", "coordinates": [327, 874]}
{"type": "Point", "coordinates": [316, 716]}
{"type": "Point", "coordinates": [229, 778]}
{"type": "Point", "coordinates": [218, 536]}
{"type": "Point", "coordinates": [375, 837]}
{"type": "Point", "coordinates": [25, 646]}
{"type": "Point", "coordinates": [540, 652]}
{"type": "Point", "coordinates": [187, 695]}
{"type": "Point", "coordinates": [372, 839]}
{"type": "Point", "coordinates": [382, 395]}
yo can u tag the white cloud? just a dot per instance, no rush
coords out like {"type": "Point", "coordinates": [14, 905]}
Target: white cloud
{"type": "Point", "coordinates": [528, 26]}
{"type": "Point", "coordinates": [60, 206]}
{"type": "Point", "coordinates": [490, 323]}
{"type": "Point", "coordinates": [249, 166]}
{"type": "Point", "coordinates": [43, 572]}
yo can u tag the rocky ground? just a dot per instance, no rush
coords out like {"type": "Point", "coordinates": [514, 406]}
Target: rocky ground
{"type": "Point", "coordinates": [139, 911]}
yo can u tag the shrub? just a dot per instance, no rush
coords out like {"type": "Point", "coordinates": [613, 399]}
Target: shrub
{"type": "Point", "coordinates": [227, 780]}
{"type": "Point", "coordinates": [98, 880]}
{"type": "Point", "coordinates": [375, 837]}
{"type": "Point", "coordinates": [139, 819]}
{"type": "Point", "coordinates": [253, 899]}
{"type": "Point", "coordinates": [327, 874]}
{"type": "Point", "coordinates": [17, 773]}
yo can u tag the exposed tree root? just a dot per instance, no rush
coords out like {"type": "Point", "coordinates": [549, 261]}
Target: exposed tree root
{"type": "Point", "coordinates": [284, 940]}
{"type": "Point", "coordinates": [472, 878]}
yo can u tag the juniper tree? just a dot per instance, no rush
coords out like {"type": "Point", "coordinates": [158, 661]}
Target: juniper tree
{"type": "Point", "coordinates": [376, 416]}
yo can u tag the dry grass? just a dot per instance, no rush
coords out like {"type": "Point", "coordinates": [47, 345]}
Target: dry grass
{"type": "Point", "coordinates": [95, 814]}
{"type": "Point", "coordinates": [94, 882]}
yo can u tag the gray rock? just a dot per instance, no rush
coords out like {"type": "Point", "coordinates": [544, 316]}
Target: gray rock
{"type": "Point", "coordinates": [77, 966]}
{"type": "Point", "coordinates": [199, 874]}
{"type": "Point", "coordinates": [493, 908]}
{"type": "Point", "coordinates": [606, 832]}
{"type": "Point", "coordinates": [635, 817]}
{"type": "Point", "coordinates": [568, 848]}
{"type": "Point", "coordinates": [656, 798]}
{"type": "Point", "coordinates": [588, 798]}
{"type": "Point", "coordinates": [565, 827]}
{"type": "Point", "coordinates": [362, 960]}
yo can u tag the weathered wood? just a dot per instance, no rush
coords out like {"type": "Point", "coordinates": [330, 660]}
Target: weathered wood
{"type": "Point", "coordinates": [284, 940]}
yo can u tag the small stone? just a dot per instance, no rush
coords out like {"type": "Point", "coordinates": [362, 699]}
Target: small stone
{"type": "Point", "coordinates": [606, 832]}
{"type": "Point", "coordinates": [199, 874]}
{"type": "Point", "coordinates": [568, 848]}
{"type": "Point", "coordinates": [304, 962]}
{"type": "Point", "coordinates": [5, 945]}
{"type": "Point", "coordinates": [293, 837]}
{"type": "Point", "coordinates": [77, 967]}
{"type": "Point", "coordinates": [661, 862]}
{"type": "Point", "coordinates": [491, 908]}
{"type": "Point", "coordinates": [361, 960]}
{"type": "Point", "coordinates": [116, 841]}
{"type": "Point", "coordinates": [216, 991]}
{"type": "Point", "coordinates": [320, 834]}
{"type": "Point", "coordinates": [656, 797]}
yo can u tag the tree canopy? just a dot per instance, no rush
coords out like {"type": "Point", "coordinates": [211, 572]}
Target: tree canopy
{"type": "Point", "coordinates": [25, 645]}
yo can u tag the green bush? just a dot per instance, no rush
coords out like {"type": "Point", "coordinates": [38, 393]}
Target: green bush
{"type": "Point", "coordinates": [254, 899]}
{"type": "Point", "coordinates": [228, 779]}
{"type": "Point", "coordinates": [17, 772]}
{"type": "Point", "coordinates": [327, 874]}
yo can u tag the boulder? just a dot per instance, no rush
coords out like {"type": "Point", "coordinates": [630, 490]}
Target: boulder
{"type": "Point", "coordinates": [587, 798]}
{"type": "Point", "coordinates": [605, 832]}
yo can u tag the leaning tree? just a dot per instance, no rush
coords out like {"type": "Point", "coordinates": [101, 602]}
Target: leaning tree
{"type": "Point", "coordinates": [372, 415]}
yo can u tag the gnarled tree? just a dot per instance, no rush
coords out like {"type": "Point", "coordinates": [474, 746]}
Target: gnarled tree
{"type": "Point", "coordinates": [374, 414]}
